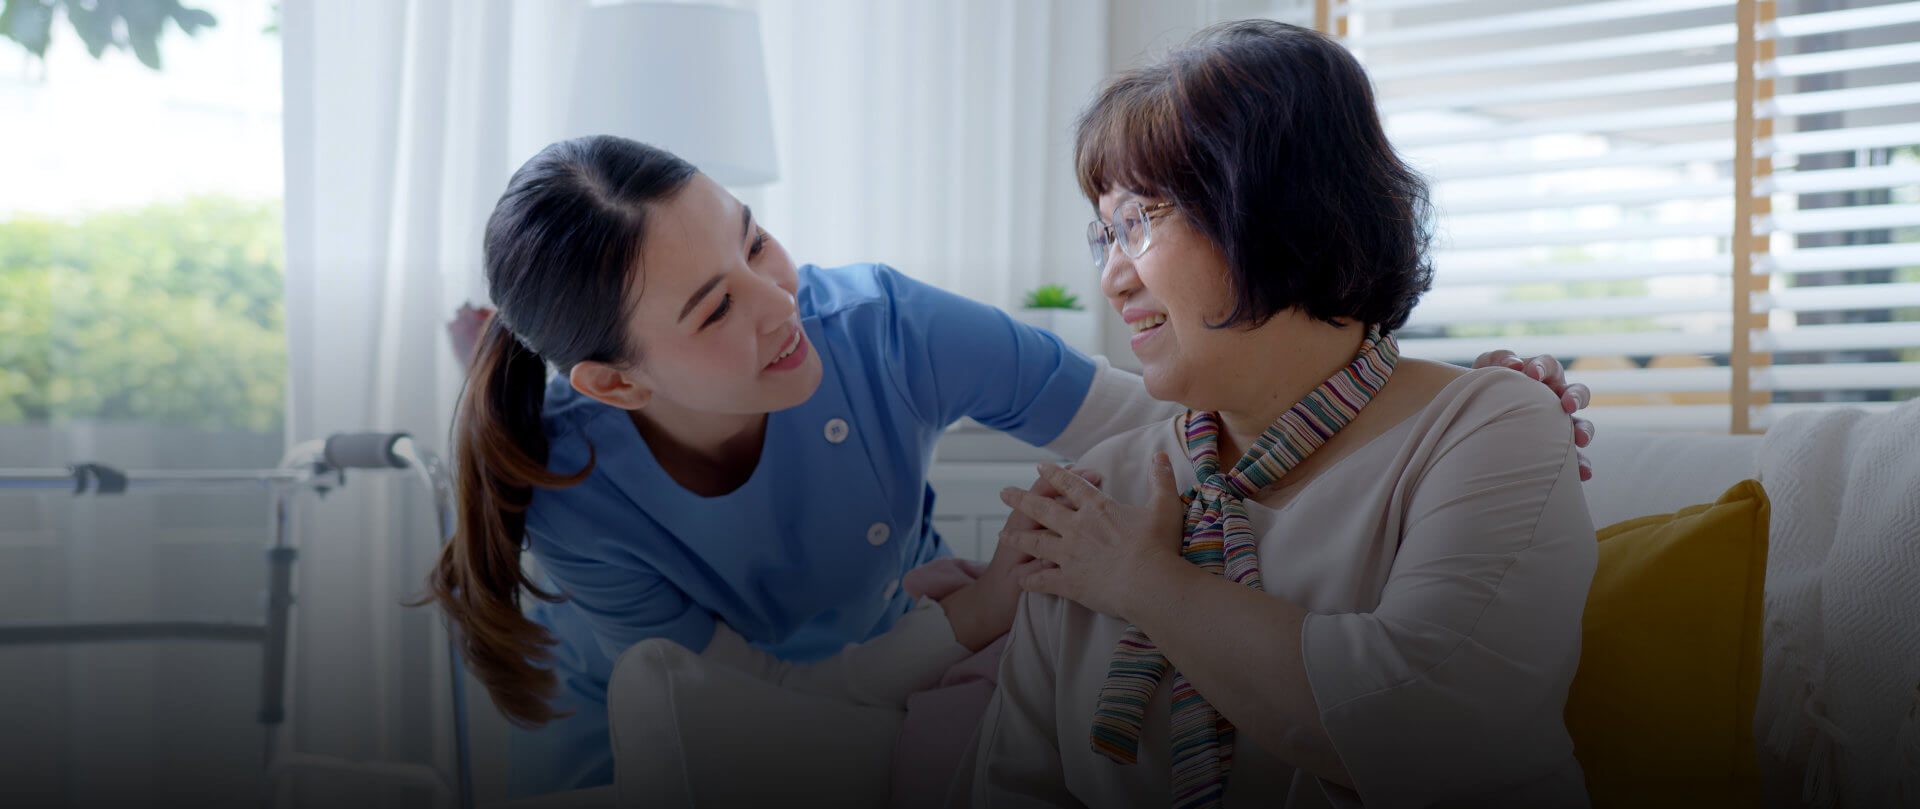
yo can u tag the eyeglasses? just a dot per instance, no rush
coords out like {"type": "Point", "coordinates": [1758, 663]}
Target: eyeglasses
{"type": "Point", "coordinates": [1134, 224]}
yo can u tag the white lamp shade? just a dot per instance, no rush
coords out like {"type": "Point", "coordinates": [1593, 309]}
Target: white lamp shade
{"type": "Point", "coordinates": [687, 78]}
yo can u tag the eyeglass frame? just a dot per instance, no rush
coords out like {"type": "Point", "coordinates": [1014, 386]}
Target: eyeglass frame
{"type": "Point", "coordinates": [1106, 232]}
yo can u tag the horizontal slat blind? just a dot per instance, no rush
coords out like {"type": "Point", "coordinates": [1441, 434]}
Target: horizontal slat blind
{"type": "Point", "coordinates": [1583, 156]}
{"type": "Point", "coordinates": [1839, 253]}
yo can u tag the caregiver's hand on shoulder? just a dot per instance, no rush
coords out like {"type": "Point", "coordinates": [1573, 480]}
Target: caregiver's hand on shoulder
{"type": "Point", "coordinates": [464, 330]}
{"type": "Point", "coordinates": [984, 610]}
{"type": "Point", "coordinates": [1573, 398]}
{"type": "Point", "coordinates": [1099, 552]}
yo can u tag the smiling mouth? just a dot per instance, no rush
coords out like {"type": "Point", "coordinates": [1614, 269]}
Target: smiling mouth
{"type": "Point", "coordinates": [1146, 323]}
{"type": "Point", "coordinates": [793, 344]}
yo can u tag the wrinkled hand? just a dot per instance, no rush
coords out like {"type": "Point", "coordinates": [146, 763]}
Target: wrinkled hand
{"type": "Point", "coordinates": [1098, 552]}
{"type": "Point", "coordinates": [984, 610]}
{"type": "Point", "coordinates": [1012, 561]}
{"type": "Point", "coordinates": [1573, 398]}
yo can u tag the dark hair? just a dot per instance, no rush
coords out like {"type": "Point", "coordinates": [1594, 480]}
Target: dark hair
{"type": "Point", "coordinates": [560, 249]}
{"type": "Point", "coordinates": [1265, 136]}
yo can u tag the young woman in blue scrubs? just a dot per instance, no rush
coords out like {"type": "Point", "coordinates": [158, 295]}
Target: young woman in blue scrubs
{"type": "Point", "coordinates": [731, 443]}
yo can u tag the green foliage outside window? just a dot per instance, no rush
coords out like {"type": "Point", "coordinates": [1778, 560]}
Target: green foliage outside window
{"type": "Point", "coordinates": [166, 314]}
{"type": "Point", "coordinates": [1520, 295]}
{"type": "Point", "coordinates": [134, 25]}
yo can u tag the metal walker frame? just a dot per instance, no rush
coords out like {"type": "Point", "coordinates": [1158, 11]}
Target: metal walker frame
{"type": "Point", "coordinates": [316, 466]}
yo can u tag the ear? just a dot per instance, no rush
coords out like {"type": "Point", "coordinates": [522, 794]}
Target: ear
{"type": "Point", "coordinates": [627, 390]}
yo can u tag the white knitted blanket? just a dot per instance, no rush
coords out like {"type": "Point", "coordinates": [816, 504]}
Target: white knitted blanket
{"type": "Point", "coordinates": [1840, 683]}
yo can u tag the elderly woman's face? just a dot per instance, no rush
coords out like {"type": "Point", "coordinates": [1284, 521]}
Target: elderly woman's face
{"type": "Point", "coordinates": [1167, 296]}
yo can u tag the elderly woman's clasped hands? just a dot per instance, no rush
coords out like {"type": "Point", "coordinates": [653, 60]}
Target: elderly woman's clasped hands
{"type": "Point", "coordinates": [1098, 552]}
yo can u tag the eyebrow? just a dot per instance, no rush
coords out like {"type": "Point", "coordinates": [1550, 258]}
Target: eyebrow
{"type": "Point", "coordinates": [1116, 204]}
{"type": "Point", "coordinates": [746, 225]}
{"type": "Point", "coordinates": [697, 295]}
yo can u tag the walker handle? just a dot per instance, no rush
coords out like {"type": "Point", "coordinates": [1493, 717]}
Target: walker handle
{"type": "Point", "coordinates": [363, 451]}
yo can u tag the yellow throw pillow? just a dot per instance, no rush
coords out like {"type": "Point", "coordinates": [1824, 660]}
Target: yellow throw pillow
{"type": "Point", "coordinates": [1661, 709]}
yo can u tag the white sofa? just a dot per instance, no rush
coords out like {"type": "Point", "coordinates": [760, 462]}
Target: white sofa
{"type": "Point", "coordinates": [1636, 474]}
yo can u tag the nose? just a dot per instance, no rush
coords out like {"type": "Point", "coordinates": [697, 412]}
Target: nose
{"type": "Point", "coordinates": [775, 304]}
{"type": "Point", "coordinates": [1118, 279]}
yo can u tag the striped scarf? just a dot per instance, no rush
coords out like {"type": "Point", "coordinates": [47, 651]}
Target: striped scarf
{"type": "Point", "coordinates": [1219, 538]}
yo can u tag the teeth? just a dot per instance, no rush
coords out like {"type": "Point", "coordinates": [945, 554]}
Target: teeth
{"type": "Point", "coordinates": [792, 346]}
{"type": "Point", "coordinates": [1147, 323]}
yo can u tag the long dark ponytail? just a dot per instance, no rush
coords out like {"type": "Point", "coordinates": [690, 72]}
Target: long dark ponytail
{"type": "Point", "coordinates": [560, 249]}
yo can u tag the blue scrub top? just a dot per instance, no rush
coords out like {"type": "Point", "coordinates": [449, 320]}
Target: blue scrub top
{"type": "Point", "coordinates": [806, 556]}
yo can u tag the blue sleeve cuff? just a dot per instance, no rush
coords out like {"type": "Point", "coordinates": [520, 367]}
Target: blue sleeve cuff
{"type": "Point", "coordinates": [1048, 413]}
{"type": "Point", "coordinates": [953, 356]}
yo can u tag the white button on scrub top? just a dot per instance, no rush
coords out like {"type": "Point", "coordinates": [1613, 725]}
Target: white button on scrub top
{"type": "Point", "coordinates": [877, 533]}
{"type": "Point", "coordinates": [892, 587]}
{"type": "Point", "coordinates": [836, 430]}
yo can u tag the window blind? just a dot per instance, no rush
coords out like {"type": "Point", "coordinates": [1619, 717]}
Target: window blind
{"type": "Point", "coordinates": [1600, 195]}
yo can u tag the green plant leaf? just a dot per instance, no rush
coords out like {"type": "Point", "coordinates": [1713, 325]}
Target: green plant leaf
{"type": "Point", "coordinates": [95, 28]}
{"type": "Point", "coordinates": [28, 22]}
{"type": "Point", "coordinates": [144, 21]}
{"type": "Point", "coordinates": [133, 25]}
{"type": "Point", "coordinates": [1052, 296]}
{"type": "Point", "coordinates": [191, 20]}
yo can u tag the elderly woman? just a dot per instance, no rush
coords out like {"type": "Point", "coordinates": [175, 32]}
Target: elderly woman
{"type": "Point", "coordinates": [1341, 577]}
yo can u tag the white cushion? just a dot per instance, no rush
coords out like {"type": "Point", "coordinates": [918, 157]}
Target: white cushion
{"type": "Point", "coordinates": [1637, 474]}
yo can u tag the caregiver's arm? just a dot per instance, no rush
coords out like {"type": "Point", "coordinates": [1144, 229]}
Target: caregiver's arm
{"type": "Point", "coordinates": [920, 647]}
{"type": "Point", "coordinates": [626, 601]}
{"type": "Point", "coordinates": [887, 668]}
{"type": "Point", "coordinates": [1116, 401]}
{"type": "Point", "coordinates": [883, 671]}
{"type": "Point", "coordinates": [952, 356]}
{"type": "Point", "coordinates": [1014, 758]}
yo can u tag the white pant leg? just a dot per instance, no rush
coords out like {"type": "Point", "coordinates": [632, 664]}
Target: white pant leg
{"type": "Point", "coordinates": [688, 731]}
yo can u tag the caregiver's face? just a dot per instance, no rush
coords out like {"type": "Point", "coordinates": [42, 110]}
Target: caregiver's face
{"type": "Point", "coordinates": [715, 319]}
{"type": "Point", "coordinates": [1167, 296]}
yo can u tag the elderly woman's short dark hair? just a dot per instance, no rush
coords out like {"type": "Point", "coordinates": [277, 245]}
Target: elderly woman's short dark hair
{"type": "Point", "coordinates": [1266, 137]}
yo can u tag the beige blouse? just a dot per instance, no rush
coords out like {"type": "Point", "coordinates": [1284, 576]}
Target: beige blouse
{"type": "Point", "coordinates": [1445, 564]}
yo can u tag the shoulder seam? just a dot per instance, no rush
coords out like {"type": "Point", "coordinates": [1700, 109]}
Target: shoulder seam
{"type": "Point", "coordinates": [1468, 635]}
{"type": "Point", "coordinates": [843, 307]}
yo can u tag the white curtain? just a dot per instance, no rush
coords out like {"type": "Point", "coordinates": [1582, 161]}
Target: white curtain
{"type": "Point", "coordinates": [398, 119]}
{"type": "Point", "coordinates": [934, 136]}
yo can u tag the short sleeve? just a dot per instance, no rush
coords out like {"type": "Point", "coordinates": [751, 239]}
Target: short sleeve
{"type": "Point", "coordinates": [951, 356]}
{"type": "Point", "coordinates": [1451, 689]}
{"type": "Point", "coordinates": [623, 599]}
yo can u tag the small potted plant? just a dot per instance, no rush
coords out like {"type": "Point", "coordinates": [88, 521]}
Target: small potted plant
{"type": "Point", "coordinates": [1053, 308]}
